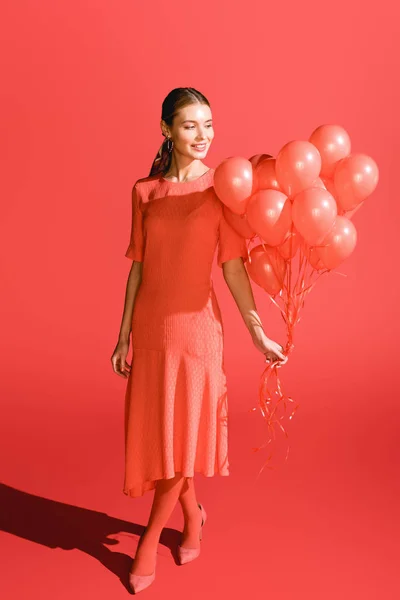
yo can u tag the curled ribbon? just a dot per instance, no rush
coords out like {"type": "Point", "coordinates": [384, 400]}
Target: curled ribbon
{"type": "Point", "coordinates": [292, 297]}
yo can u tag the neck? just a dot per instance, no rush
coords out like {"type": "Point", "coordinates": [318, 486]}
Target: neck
{"type": "Point", "coordinates": [186, 172]}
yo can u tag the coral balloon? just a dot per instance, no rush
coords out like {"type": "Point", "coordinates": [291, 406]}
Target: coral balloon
{"type": "Point", "coordinates": [259, 158]}
{"type": "Point", "coordinates": [266, 268]}
{"type": "Point", "coordinates": [239, 223]}
{"type": "Point", "coordinates": [338, 244]}
{"type": "Point", "coordinates": [269, 214]}
{"type": "Point", "coordinates": [319, 183]}
{"type": "Point", "coordinates": [266, 175]}
{"type": "Point", "coordinates": [290, 244]}
{"type": "Point", "coordinates": [329, 185]}
{"type": "Point", "coordinates": [350, 213]}
{"type": "Point", "coordinates": [255, 187]}
{"type": "Point", "coordinates": [313, 258]}
{"type": "Point", "coordinates": [314, 212]}
{"type": "Point", "coordinates": [333, 143]}
{"type": "Point", "coordinates": [233, 183]}
{"type": "Point", "coordinates": [298, 165]}
{"type": "Point", "coordinates": [355, 178]}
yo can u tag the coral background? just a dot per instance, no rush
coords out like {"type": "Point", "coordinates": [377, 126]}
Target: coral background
{"type": "Point", "coordinates": [82, 87]}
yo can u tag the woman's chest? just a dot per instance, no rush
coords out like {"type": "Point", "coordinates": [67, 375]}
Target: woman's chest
{"type": "Point", "coordinates": [191, 215]}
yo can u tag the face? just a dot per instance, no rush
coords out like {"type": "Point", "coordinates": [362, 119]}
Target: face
{"type": "Point", "coordinates": [192, 131]}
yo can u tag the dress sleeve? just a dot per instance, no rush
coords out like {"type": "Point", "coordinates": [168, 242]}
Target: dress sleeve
{"type": "Point", "coordinates": [230, 243]}
{"type": "Point", "coordinates": [135, 248]}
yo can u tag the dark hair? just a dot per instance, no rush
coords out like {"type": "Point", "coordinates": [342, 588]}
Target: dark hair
{"type": "Point", "coordinates": [177, 98]}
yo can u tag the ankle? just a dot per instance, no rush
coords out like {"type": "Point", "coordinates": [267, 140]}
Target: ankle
{"type": "Point", "coordinates": [191, 513]}
{"type": "Point", "coordinates": [152, 535]}
{"type": "Point", "coordinates": [192, 516]}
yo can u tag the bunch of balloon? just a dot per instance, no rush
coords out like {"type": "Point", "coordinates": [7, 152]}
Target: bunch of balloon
{"type": "Point", "coordinates": [295, 212]}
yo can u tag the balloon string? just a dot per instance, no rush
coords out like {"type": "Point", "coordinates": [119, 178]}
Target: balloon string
{"type": "Point", "coordinates": [271, 399]}
{"type": "Point", "coordinates": [269, 410]}
{"type": "Point", "coordinates": [272, 402]}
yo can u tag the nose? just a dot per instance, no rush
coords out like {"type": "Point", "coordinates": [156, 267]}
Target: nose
{"type": "Point", "coordinates": [201, 135]}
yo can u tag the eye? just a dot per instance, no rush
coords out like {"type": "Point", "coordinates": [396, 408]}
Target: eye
{"type": "Point", "coordinates": [192, 126]}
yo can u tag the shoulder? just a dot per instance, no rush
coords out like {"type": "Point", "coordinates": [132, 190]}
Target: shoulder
{"type": "Point", "coordinates": [143, 187]}
{"type": "Point", "coordinates": [143, 181]}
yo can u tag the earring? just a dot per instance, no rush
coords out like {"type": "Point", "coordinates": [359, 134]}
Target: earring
{"type": "Point", "coordinates": [170, 144]}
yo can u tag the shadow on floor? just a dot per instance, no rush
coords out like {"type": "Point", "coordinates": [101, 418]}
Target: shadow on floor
{"type": "Point", "coordinates": [58, 525]}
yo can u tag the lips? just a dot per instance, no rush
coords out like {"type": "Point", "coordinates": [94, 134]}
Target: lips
{"type": "Point", "coordinates": [199, 146]}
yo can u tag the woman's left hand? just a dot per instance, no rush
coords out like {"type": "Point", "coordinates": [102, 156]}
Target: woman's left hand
{"type": "Point", "coordinates": [272, 350]}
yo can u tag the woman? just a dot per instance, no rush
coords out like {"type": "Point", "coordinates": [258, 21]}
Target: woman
{"type": "Point", "coordinates": [176, 400]}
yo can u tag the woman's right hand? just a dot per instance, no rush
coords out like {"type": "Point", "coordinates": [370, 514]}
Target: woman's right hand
{"type": "Point", "coordinates": [272, 350]}
{"type": "Point", "coordinates": [118, 359]}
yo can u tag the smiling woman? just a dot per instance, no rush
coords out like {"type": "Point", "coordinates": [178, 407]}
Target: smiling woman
{"type": "Point", "coordinates": [176, 402]}
{"type": "Point", "coordinates": [186, 123]}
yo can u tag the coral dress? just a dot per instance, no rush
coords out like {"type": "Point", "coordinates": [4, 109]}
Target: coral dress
{"type": "Point", "coordinates": [176, 405]}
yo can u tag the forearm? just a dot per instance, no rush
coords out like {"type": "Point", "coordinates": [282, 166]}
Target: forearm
{"type": "Point", "coordinates": [132, 286]}
{"type": "Point", "coordinates": [239, 285]}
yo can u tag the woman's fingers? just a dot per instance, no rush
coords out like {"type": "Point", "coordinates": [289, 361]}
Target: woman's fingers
{"type": "Point", "coordinates": [276, 356]}
{"type": "Point", "coordinates": [121, 370]}
{"type": "Point", "coordinates": [117, 362]}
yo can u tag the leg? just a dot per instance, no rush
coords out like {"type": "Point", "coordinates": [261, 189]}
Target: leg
{"type": "Point", "coordinates": [165, 498]}
{"type": "Point", "coordinates": [191, 513]}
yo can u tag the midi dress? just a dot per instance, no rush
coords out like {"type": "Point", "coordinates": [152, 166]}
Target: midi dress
{"type": "Point", "coordinates": [176, 402]}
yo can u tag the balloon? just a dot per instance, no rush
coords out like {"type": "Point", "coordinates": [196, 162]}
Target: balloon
{"type": "Point", "coordinates": [319, 183]}
{"type": "Point", "coordinates": [239, 223]}
{"type": "Point", "coordinates": [313, 258]}
{"type": "Point", "coordinates": [255, 187]}
{"type": "Point", "coordinates": [266, 175]}
{"type": "Point", "coordinates": [338, 244]}
{"type": "Point", "coordinates": [314, 212]}
{"type": "Point", "coordinates": [266, 268]}
{"type": "Point", "coordinates": [349, 213]}
{"type": "Point", "coordinates": [333, 143]}
{"type": "Point", "coordinates": [258, 158]}
{"type": "Point", "coordinates": [290, 244]}
{"type": "Point", "coordinates": [297, 166]}
{"type": "Point", "coordinates": [329, 185]}
{"type": "Point", "coordinates": [269, 214]}
{"type": "Point", "coordinates": [355, 178]}
{"type": "Point", "coordinates": [233, 183]}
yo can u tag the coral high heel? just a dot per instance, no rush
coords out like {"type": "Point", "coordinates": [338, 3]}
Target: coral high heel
{"type": "Point", "coordinates": [186, 555]}
{"type": "Point", "coordinates": [141, 582]}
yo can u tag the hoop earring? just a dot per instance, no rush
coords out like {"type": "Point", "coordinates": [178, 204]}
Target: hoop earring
{"type": "Point", "coordinates": [170, 144]}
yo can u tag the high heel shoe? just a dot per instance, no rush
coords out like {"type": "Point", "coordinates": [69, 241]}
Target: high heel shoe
{"type": "Point", "coordinates": [140, 582]}
{"type": "Point", "coordinates": [186, 555]}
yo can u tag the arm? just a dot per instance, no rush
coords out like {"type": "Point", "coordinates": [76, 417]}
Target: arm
{"type": "Point", "coordinates": [135, 253]}
{"type": "Point", "coordinates": [118, 358]}
{"type": "Point", "coordinates": [132, 286]}
{"type": "Point", "coordinates": [237, 280]}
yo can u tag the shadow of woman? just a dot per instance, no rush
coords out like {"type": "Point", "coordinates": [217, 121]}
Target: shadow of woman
{"type": "Point", "coordinates": [58, 525]}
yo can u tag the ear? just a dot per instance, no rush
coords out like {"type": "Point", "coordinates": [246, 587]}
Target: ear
{"type": "Point", "coordinates": [164, 128]}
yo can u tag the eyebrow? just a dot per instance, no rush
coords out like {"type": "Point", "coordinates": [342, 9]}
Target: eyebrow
{"type": "Point", "coordinates": [191, 121]}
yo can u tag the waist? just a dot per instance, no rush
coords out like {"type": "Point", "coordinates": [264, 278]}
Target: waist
{"type": "Point", "coordinates": [174, 298]}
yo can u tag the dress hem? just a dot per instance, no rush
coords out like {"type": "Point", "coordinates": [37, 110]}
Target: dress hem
{"type": "Point", "coordinates": [150, 484]}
